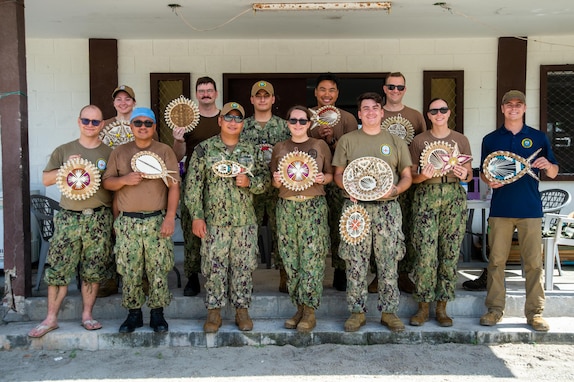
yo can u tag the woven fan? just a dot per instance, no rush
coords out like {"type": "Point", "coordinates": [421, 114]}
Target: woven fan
{"type": "Point", "coordinates": [116, 133]}
{"type": "Point", "coordinates": [368, 178]}
{"type": "Point", "coordinates": [182, 112]}
{"type": "Point", "coordinates": [400, 126]}
{"type": "Point", "coordinates": [151, 166]}
{"type": "Point", "coordinates": [78, 179]}
{"type": "Point", "coordinates": [506, 167]}
{"type": "Point", "coordinates": [355, 224]}
{"type": "Point", "coordinates": [325, 116]}
{"type": "Point", "coordinates": [298, 170]}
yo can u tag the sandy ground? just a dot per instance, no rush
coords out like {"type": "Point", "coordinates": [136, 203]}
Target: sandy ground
{"type": "Point", "coordinates": [445, 362]}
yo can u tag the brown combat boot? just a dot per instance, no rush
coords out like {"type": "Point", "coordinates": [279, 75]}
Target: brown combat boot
{"type": "Point", "coordinates": [391, 321]}
{"type": "Point", "coordinates": [441, 316]}
{"type": "Point", "coordinates": [308, 321]}
{"type": "Point", "coordinates": [421, 316]}
{"type": "Point", "coordinates": [291, 323]}
{"type": "Point", "coordinates": [283, 281]}
{"type": "Point", "coordinates": [405, 283]}
{"type": "Point", "coordinates": [242, 320]}
{"type": "Point", "coordinates": [354, 322]}
{"type": "Point", "coordinates": [374, 285]}
{"type": "Point", "coordinates": [213, 321]}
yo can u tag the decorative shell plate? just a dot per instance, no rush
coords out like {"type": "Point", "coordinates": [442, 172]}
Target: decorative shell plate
{"type": "Point", "coordinates": [326, 116]}
{"type": "Point", "coordinates": [298, 170]}
{"type": "Point", "coordinates": [116, 133]}
{"type": "Point", "coordinates": [151, 166]}
{"type": "Point", "coordinates": [182, 112]}
{"type": "Point", "coordinates": [433, 154]}
{"type": "Point", "coordinates": [506, 167]}
{"type": "Point", "coordinates": [368, 178]}
{"type": "Point", "coordinates": [399, 126]}
{"type": "Point", "coordinates": [228, 169]}
{"type": "Point", "coordinates": [78, 179]}
{"type": "Point", "coordinates": [355, 224]}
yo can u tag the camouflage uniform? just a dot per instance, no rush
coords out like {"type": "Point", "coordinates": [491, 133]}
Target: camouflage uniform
{"type": "Point", "coordinates": [275, 130]}
{"type": "Point", "coordinates": [335, 205]}
{"type": "Point", "coordinates": [134, 238]}
{"type": "Point", "coordinates": [304, 238]}
{"type": "Point", "coordinates": [229, 250]}
{"type": "Point", "coordinates": [83, 239]}
{"type": "Point", "coordinates": [439, 224]}
{"type": "Point", "coordinates": [386, 241]}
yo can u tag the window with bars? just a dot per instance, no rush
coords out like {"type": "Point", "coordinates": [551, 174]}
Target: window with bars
{"type": "Point", "coordinates": [557, 114]}
{"type": "Point", "coordinates": [448, 85]}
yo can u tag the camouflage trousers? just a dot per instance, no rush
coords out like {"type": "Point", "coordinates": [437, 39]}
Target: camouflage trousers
{"type": "Point", "coordinates": [267, 203]}
{"type": "Point", "coordinates": [303, 244]}
{"type": "Point", "coordinates": [386, 241]}
{"type": "Point", "coordinates": [335, 202]}
{"type": "Point", "coordinates": [140, 249]}
{"type": "Point", "coordinates": [439, 225]}
{"type": "Point", "coordinates": [228, 259]}
{"type": "Point", "coordinates": [80, 239]}
{"type": "Point", "coordinates": [191, 243]}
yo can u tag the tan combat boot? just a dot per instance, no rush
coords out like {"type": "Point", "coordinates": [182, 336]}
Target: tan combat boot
{"type": "Point", "coordinates": [242, 320]}
{"type": "Point", "coordinates": [391, 321]}
{"type": "Point", "coordinates": [308, 321]}
{"type": "Point", "coordinates": [213, 321]}
{"type": "Point", "coordinates": [354, 322]}
{"type": "Point", "coordinates": [292, 322]}
{"type": "Point", "coordinates": [421, 316]}
{"type": "Point", "coordinates": [441, 316]}
{"type": "Point", "coordinates": [283, 281]}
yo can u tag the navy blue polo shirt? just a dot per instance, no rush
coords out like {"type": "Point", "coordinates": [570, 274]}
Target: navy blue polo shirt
{"type": "Point", "coordinates": [520, 199]}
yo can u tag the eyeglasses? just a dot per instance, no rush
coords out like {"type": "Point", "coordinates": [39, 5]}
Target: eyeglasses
{"type": "Point", "coordinates": [87, 121]}
{"type": "Point", "coordinates": [302, 121]}
{"type": "Point", "coordinates": [443, 110]}
{"type": "Point", "coordinates": [139, 123]}
{"type": "Point", "coordinates": [398, 87]}
{"type": "Point", "coordinates": [229, 118]}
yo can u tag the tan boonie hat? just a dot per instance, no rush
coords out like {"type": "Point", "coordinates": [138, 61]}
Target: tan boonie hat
{"type": "Point", "coordinates": [124, 88]}
{"type": "Point", "coordinates": [513, 94]}
{"type": "Point", "coordinates": [232, 106]}
{"type": "Point", "coordinates": [262, 85]}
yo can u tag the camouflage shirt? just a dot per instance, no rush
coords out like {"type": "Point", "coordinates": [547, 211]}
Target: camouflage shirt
{"type": "Point", "coordinates": [217, 199]}
{"type": "Point", "coordinates": [264, 138]}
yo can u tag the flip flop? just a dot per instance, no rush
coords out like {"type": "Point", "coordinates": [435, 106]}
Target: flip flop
{"type": "Point", "coordinates": [40, 330]}
{"type": "Point", "coordinates": [91, 325]}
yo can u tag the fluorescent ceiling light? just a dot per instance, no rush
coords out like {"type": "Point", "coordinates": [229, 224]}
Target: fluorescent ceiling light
{"type": "Point", "coordinates": [330, 6]}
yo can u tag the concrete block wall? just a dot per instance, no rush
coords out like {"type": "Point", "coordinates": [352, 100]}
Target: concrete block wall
{"type": "Point", "coordinates": [58, 74]}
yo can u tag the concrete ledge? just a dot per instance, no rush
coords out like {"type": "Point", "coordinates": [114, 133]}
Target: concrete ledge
{"type": "Point", "coordinates": [189, 333]}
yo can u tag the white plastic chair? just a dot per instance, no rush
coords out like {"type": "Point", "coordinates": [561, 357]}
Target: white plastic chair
{"type": "Point", "coordinates": [563, 234]}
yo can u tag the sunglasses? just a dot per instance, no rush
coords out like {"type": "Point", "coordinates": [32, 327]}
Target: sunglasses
{"type": "Point", "coordinates": [398, 87]}
{"type": "Point", "coordinates": [302, 121]}
{"type": "Point", "coordinates": [229, 118]}
{"type": "Point", "coordinates": [139, 123]}
{"type": "Point", "coordinates": [443, 110]}
{"type": "Point", "coordinates": [87, 121]}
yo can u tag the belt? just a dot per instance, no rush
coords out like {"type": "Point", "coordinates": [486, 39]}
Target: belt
{"type": "Point", "coordinates": [142, 215]}
{"type": "Point", "coordinates": [442, 179]}
{"type": "Point", "coordinates": [299, 198]}
{"type": "Point", "coordinates": [87, 211]}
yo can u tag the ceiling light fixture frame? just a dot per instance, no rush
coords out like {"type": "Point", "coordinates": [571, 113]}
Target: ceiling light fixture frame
{"type": "Point", "coordinates": [329, 6]}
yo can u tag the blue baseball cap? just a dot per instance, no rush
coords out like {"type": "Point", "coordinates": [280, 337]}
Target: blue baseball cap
{"type": "Point", "coordinates": [143, 112]}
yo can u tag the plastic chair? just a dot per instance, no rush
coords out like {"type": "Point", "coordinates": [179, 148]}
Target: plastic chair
{"type": "Point", "coordinates": [554, 200]}
{"type": "Point", "coordinates": [44, 210]}
{"type": "Point", "coordinates": [562, 234]}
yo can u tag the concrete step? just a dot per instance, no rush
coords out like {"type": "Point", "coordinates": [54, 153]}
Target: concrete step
{"type": "Point", "coordinates": [189, 333]}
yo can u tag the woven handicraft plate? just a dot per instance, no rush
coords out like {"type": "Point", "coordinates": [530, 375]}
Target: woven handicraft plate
{"type": "Point", "coordinates": [78, 179]}
{"type": "Point", "coordinates": [433, 154]}
{"type": "Point", "coordinates": [116, 133]}
{"type": "Point", "coordinates": [151, 166]}
{"type": "Point", "coordinates": [399, 126]}
{"type": "Point", "coordinates": [506, 167]}
{"type": "Point", "coordinates": [368, 178]}
{"type": "Point", "coordinates": [228, 169]}
{"type": "Point", "coordinates": [325, 116]}
{"type": "Point", "coordinates": [298, 170]}
{"type": "Point", "coordinates": [354, 224]}
{"type": "Point", "coordinates": [182, 112]}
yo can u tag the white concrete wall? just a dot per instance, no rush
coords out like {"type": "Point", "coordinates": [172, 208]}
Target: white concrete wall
{"type": "Point", "coordinates": [58, 74]}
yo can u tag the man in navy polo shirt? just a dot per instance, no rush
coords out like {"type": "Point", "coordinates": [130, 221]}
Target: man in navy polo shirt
{"type": "Point", "coordinates": [517, 206]}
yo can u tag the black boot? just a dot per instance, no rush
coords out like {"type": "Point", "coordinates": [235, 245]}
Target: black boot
{"type": "Point", "coordinates": [157, 322]}
{"type": "Point", "coordinates": [192, 287]}
{"type": "Point", "coordinates": [340, 280]}
{"type": "Point", "coordinates": [134, 320]}
{"type": "Point", "coordinates": [476, 284]}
